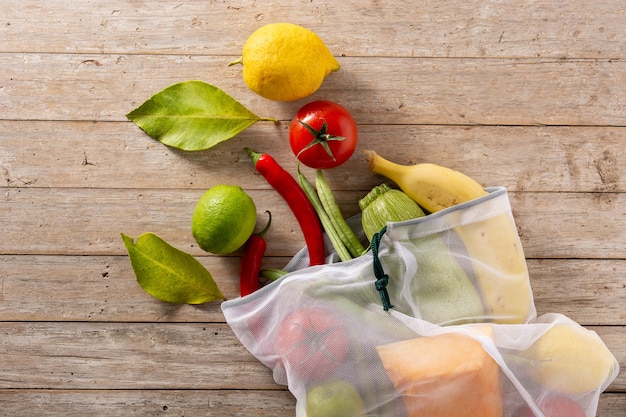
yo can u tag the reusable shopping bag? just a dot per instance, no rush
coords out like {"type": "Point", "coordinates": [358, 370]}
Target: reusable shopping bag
{"type": "Point", "coordinates": [436, 319]}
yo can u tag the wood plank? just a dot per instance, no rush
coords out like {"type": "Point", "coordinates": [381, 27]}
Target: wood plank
{"type": "Point", "coordinates": [571, 223]}
{"type": "Point", "coordinates": [120, 155]}
{"type": "Point", "coordinates": [61, 221]}
{"type": "Point", "coordinates": [590, 292]}
{"type": "Point", "coordinates": [127, 356]}
{"type": "Point", "coordinates": [103, 288]}
{"type": "Point", "coordinates": [431, 29]}
{"type": "Point", "coordinates": [221, 403]}
{"type": "Point", "coordinates": [491, 91]}
{"type": "Point", "coordinates": [154, 356]}
{"type": "Point", "coordinates": [122, 403]}
{"type": "Point", "coordinates": [614, 337]}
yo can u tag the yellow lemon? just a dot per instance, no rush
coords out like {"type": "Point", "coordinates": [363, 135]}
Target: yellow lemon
{"type": "Point", "coordinates": [570, 360]}
{"type": "Point", "coordinates": [224, 219]}
{"type": "Point", "coordinates": [285, 62]}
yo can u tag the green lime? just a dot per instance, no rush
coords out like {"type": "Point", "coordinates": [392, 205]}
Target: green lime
{"type": "Point", "coordinates": [223, 219]}
{"type": "Point", "coordinates": [336, 398]}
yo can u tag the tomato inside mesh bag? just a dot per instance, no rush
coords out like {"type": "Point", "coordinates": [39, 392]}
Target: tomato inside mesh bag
{"type": "Point", "coordinates": [436, 319]}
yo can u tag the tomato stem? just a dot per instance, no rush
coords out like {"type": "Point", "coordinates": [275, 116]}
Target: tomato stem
{"type": "Point", "coordinates": [321, 137]}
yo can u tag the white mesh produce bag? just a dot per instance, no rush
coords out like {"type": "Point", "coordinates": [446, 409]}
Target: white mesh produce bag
{"type": "Point", "coordinates": [437, 319]}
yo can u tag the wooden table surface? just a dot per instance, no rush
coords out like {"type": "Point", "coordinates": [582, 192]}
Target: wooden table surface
{"type": "Point", "coordinates": [526, 95]}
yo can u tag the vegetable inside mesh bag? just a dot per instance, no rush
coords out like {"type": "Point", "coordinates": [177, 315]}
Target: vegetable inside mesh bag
{"type": "Point", "coordinates": [549, 367]}
{"type": "Point", "coordinates": [462, 264]}
{"type": "Point", "coordinates": [435, 320]}
{"type": "Point", "coordinates": [340, 358]}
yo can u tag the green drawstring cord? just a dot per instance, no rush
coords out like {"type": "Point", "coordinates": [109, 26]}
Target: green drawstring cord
{"type": "Point", "coordinates": [382, 279]}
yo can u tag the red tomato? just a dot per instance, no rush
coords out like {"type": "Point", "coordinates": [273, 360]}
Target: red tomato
{"type": "Point", "coordinates": [322, 134]}
{"type": "Point", "coordinates": [312, 342]}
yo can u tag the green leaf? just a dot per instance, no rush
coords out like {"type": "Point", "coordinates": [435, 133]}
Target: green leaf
{"type": "Point", "coordinates": [192, 116]}
{"type": "Point", "coordinates": [170, 274]}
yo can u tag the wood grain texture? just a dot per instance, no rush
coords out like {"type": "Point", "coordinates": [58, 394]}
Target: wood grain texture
{"type": "Point", "coordinates": [528, 97]}
{"type": "Point", "coordinates": [60, 220]}
{"type": "Point", "coordinates": [371, 28]}
{"type": "Point", "coordinates": [67, 154]}
{"type": "Point", "coordinates": [491, 91]}
{"type": "Point", "coordinates": [103, 288]}
{"type": "Point", "coordinates": [148, 403]}
{"type": "Point", "coordinates": [153, 356]}
{"type": "Point", "coordinates": [208, 403]}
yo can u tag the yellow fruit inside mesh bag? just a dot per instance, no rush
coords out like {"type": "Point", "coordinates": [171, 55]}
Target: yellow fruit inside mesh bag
{"type": "Point", "coordinates": [570, 359]}
{"type": "Point", "coordinates": [448, 375]}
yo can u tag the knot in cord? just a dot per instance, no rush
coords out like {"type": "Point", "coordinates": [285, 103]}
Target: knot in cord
{"type": "Point", "coordinates": [382, 279]}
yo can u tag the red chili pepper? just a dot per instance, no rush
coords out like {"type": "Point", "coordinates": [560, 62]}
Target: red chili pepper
{"type": "Point", "coordinates": [250, 267]}
{"type": "Point", "coordinates": [298, 202]}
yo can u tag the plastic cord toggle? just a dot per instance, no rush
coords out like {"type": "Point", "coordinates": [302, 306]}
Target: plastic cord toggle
{"type": "Point", "coordinates": [382, 279]}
